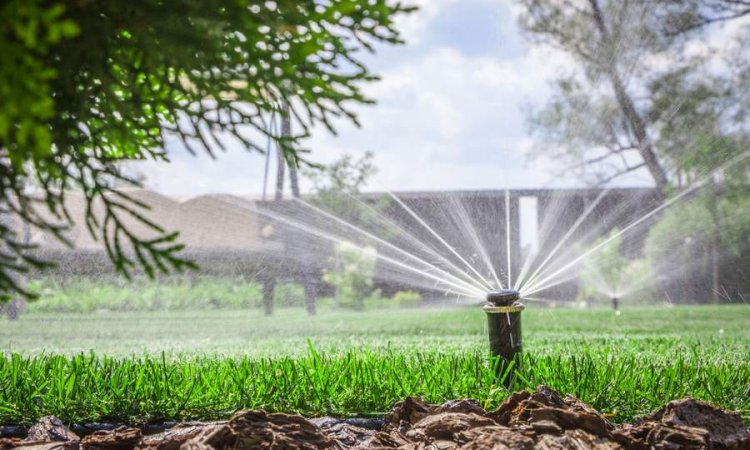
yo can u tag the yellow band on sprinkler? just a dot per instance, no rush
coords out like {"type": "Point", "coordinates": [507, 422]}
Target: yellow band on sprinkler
{"type": "Point", "coordinates": [514, 308]}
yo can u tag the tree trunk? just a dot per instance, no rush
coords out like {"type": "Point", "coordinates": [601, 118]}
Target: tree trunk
{"type": "Point", "coordinates": [713, 198]}
{"type": "Point", "coordinates": [280, 165]}
{"type": "Point", "coordinates": [269, 283]}
{"type": "Point", "coordinates": [286, 132]}
{"type": "Point", "coordinates": [311, 295]}
{"type": "Point", "coordinates": [625, 101]}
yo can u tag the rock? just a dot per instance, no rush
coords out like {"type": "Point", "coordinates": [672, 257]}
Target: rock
{"type": "Point", "coordinates": [521, 407]}
{"type": "Point", "coordinates": [571, 420]}
{"type": "Point", "coordinates": [406, 413]}
{"type": "Point", "coordinates": [546, 427]}
{"type": "Point", "coordinates": [688, 424]}
{"type": "Point", "coordinates": [383, 440]}
{"type": "Point", "coordinates": [67, 445]}
{"type": "Point", "coordinates": [50, 429]}
{"type": "Point", "coordinates": [369, 423]}
{"type": "Point", "coordinates": [174, 437]}
{"type": "Point", "coordinates": [192, 445]}
{"type": "Point", "coordinates": [725, 429]}
{"type": "Point", "coordinates": [575, 439]}
{"type": "Point", "coordinates": [345, 435]}
{"type": "Point", "coordinates": [462, 406]}
{"type": "Point", "coordinates": [259, 430]}
{"type": "Point", "coordinates": [8, 443]}
{"type": "Point", "coordinates": [505, 412]}
{"type": "Point", "coordinates": [444, 426]}
{"type": "Point", "coordinates": [122, 438]}
{"type": "Point", "coordinates": [494, 437]}
{"type": "Point", "coordinates": [554, 411]}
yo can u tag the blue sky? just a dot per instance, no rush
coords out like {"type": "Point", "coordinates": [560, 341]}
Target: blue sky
{"type": "Point", "coordinates": [449, 112]}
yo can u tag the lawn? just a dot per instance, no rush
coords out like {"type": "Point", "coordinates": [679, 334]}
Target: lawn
{"type": "Point", "coordinates": [150, 366]}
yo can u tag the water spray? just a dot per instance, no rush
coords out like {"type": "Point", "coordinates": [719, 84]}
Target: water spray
{"type": "Point", "coordinates": [503, 310]}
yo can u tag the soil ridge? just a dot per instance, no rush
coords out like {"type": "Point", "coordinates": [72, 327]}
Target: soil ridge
{"type": "Point", "coordinates": [543, 419]}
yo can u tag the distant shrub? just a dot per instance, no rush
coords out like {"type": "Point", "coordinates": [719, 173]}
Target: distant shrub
{"type": "Point", "coordinates": [351, 274]}
{"type": "Point", "coordinates": [607, 273]}
{"type": "Point", "coordinates": [407, 299]}
{"type": "Point", "coordinates": [289, 294]}
{"type": "Point", "coordinates": [117, 294]}
{"type": "Point", "coordinates": [603, 272]}
{"type": "Point", "coordinates": [680, 248]}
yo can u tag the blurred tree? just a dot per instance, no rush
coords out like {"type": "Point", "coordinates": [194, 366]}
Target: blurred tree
{"type": "Point", "coordinates": [336, 188]}
{"type": "Point", "coordinates": [87, 84]}
{"type": "Point", "coordinates": [680, 247]}
{"type": "Point", "coordinates": [610, 41]}
{"type": "Point", "coordinates": [647, 90]}
{"type": "Point", "coordinates": [709, 131]}
{"type": "Point", "coordinates": [635, 96]}
{"type": "Point", "coordinates": [686, 16]}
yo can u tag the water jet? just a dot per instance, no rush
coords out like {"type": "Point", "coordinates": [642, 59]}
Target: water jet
{"type": "Point", "coordinates": [503, 310]}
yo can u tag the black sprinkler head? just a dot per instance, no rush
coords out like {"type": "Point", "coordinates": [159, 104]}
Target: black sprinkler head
{"type": "Point", "coordinates": [503, 297]}
{"type": "Point", "coordinates": [504, 327]}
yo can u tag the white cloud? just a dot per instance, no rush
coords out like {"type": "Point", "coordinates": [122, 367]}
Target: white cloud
{"type": "Point", "coordinates": [413, 27]}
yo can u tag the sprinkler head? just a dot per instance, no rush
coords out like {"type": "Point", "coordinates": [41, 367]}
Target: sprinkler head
{"type": "Point", "coordinates": [503, 297]}
{"type": "Point", "coordinates": [504, 327]}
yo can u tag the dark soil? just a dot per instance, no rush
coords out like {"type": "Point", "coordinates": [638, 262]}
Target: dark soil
{"type": "Point", "coordinates": [543, 419]}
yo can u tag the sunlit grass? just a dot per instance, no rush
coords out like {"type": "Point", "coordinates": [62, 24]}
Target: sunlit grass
{"type": "Point", "coordinates": [205, 364]}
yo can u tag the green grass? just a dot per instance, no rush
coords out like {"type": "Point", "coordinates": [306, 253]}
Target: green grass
{"type": "Point", "coordinates": [204, 364]}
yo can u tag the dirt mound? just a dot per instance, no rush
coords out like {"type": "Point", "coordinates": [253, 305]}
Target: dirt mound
{"type": "Point", "coordinates": [542, 419]}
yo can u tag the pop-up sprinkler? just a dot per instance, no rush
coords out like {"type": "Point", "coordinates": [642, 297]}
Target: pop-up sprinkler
{"type": "Point", "coordinates": [504, 324]}
{"type": "Point", "coordinates": [615, 303]}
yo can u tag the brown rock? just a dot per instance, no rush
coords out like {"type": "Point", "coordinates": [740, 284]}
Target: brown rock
{"type": "Point", "coordinates": [50, 429]}
{"type": "Point", "coordinates": [406, 413]}
{"type": "Point", "coordinates": [546, 427]}
{"type": "Point", "coordinates": [345, 435]}
{"type": "Point", "coordinates": [575, 439]}
{"type": "Point", "coordinates": [445, 426]}
{"type": "Point", "coordinates": [687, 424]}
{"type": "Point", "coordinates": [437, 445]}
{"type": "Point", "coordinates": [504, 413]}
{"type": "Point", "coordinates": [570, 420]}
{"type": "Point", "coordinates": [8, 443]}
{"type": "Point", "coordinates": [174, 437]}
{"type": "Point", "coordinates": [462, 406]}
{"type": "Point", "coordinates": [494, 437]}
{"type": "Point", "coordinates": [383, 440]}
{"type": "Point", "coordinates": [122, 438]}
{"type": "Point", "coordinates": [68, 445]}
{"type": "Point", "coordinates": [258, 430]}
{"type": "Point", "coordinates": [194, 445]}
{"type": "Point", "coordinates": [219, 436]}
{"type": "Point", "coordinates": [546, 411]}
{"type": "Point", "coordinates": [662, 437]}
{"type": "Point", "coordinates": [725, 429]}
